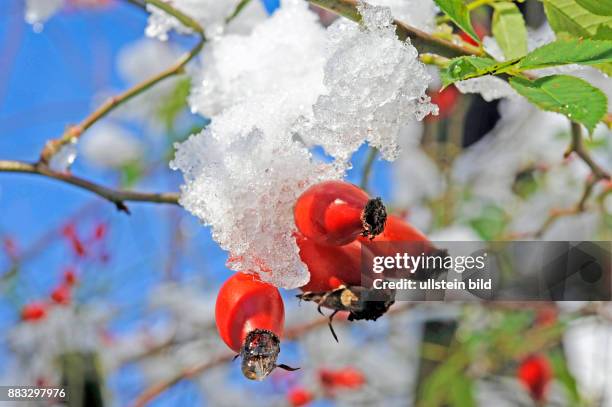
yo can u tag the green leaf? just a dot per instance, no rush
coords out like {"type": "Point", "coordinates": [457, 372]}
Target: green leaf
{"type": "Point", "coordinates": [462, 392]}
{"type": "Point", "coordinates": [459, 13]}
{"type": "Point", "coordinates": [604, 32]}
{"type": "Point", "coordinates": [175, 103]}
{"type": "Point", "coordinates": [491, 222]}
{"type": "Point", "coordinates": [467, 67]}
{"type": "Point", "coordinates": [564, 375]}
{"type": "Point", "coordinates": [131, 173]}
{"type": "Point", "coordinates": [567, 16]}
{"type": "Point", "coordinates": [572, 51]}
{"type": "Point", "coordinates": [509, 30]}
{"type": "Point", "coordinates": [568, 95]}
{"type": "Point", "coordinates": [599, 7]}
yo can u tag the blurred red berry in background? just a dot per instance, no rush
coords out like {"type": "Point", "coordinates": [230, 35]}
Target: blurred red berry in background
{"type": "Point", "coordinates": [61, 294]}
{"type": "Point", "coordinates": [100, 231]}
{"type": "Point", "coordinates": [348, 378]}
{"type": "Point", "coordinates": [10, 247]}
{"type": "Point", "coordinates": [70, 276]}
{"type": "Point", "coordinates": [535, 373]}
{"type": "Point", "coordinates": [70, 233]}
{"type": "Point", "coordinates": [299, 396]}
{"type": "Point", "coordinates": [446, 100]}
{"type": "Point", "coordinates": [481, 31]}
{"type": "Point", "coordinates": [546, 316]}
{"type": "Point", "coordinates": [34, 311]}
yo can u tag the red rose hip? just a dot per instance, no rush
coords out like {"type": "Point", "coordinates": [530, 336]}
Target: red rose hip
{"type": "Point", "coordinates": [330, 266]}
{"type": "Point", "coordinates": [535, 373]}
{"type": "Point", "coordinates": [250, 315]}
{"type": "Point", "coordinates": [336, 212]}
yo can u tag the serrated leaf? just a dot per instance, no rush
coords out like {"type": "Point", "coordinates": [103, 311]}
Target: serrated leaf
{"type": "Point", "coordinates": [567, 16]}
{"type": "Point", "coordinates": [575, 98]}
{"type": "Point", "coordinates": [467, 67]}
{"type": "Point", "coordinates": [572, 51]}
{"type": "Point", "coordinates": [509, 30]}
{"type": "Point", "coordinates": [599, 7]}
{"type": "Point", "coordinates": [459, 14]}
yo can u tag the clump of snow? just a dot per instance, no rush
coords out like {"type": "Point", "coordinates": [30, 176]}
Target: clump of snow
{"type": "Point", "coordinates": [375, 85]}
{"type": "Point", "coordinates": [282, 56]}
{"type": "Point", "coordinates": [492, 48]}
{"type": "Point", "coordinates": [420, 14]}
{"type": "Point", "coordinates": [39, 11]}
{"type": "Point", "coordinates": [108, 145]}
{"type": "Point", "coordinates": [243, 182]}
{"type": "Point", "coordinates": [268, 93]}
{"type": "Point", "coordinates": [489, 87]}
{"type": "Point", "coordinates": [210, 14]}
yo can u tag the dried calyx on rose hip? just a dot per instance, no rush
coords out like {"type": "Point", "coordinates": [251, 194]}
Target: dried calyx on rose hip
{"type": "Point", "coordinates": [361, 303]}
{"type": "Point", "coordinates": [250, 316]}
{"type": "Point", "coordinates": [337, 212]}
{"type": "Point", "coordinates": [336, 280]}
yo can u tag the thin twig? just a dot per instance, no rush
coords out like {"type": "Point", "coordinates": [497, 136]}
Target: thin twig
{"type": "Point", "coordinates": [577, 146]}
{"type": "Point", "coordinates": [75, 131]}
{"type": "Point", "coordinates": [367, 168]}
{"type": "Point", "coordinates": [118, 197]}
{"type": "Point", "coordinates": [239, 7]}
{"type": "Point", "coordinates": [422, 41]}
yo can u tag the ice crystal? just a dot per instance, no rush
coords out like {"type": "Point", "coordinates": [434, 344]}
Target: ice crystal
{"type": "Point", "coordinates": [63, 159]}
{"type": "Point", "coordinates": [374, 83]}
{"type": "Point", "coordinates": [490, 87]}
{"type": "Point", "coordinates": [420, 14]}
{"type": "Point", "coordinates": [243, 180]}
{"type": "Point", "coordinates": [282, 56]}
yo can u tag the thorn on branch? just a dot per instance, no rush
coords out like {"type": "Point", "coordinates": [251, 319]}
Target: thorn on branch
{"type": "Point", "coordinates": [122, 207]}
